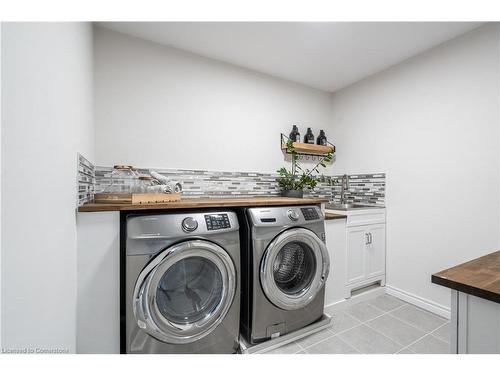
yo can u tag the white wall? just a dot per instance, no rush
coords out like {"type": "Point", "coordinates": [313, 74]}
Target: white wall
{"type": "Point", "coordinates": [431, 123]}
{"type": "Point", "coordinates": [161, 107]}
{"type": "Point", "coordinates": [47, 117]}
{"type": "Point", "coordinates": [0, 186]}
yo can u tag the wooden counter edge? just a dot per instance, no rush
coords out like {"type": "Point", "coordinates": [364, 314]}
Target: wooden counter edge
{"type": "Point", "coordinates": [203, 203]}
{"type": "Point", "coordinates": [329, 216]}
{"type": "Point", "coordinates": [466, 288]}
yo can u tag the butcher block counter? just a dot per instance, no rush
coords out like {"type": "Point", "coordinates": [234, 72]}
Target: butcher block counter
{"type": "Point", "coordinates": [475, 304]}
{"type": "Point", "coordinates": [202, 203]}
{"type": "Point", "coordinates": [479, 277]}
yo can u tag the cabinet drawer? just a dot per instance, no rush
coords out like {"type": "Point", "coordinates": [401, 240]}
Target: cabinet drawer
{"type": "Point", "coordinates": [362, 217]}
{"type": "Point", "coordinates": [372, 216]}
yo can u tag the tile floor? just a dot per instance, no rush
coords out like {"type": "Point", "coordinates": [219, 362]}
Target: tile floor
{"type": "Point", "coordinates": [382, 325]}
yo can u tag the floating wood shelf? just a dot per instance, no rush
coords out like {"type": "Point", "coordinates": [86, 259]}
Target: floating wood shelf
{"type": "Point", "coordinates": [310, 148]}
{"type": "Point", "coordinates": [306, 148]}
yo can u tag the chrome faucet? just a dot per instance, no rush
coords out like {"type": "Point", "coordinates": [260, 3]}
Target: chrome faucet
{"type": "Point", "coordinates": [345, 188]}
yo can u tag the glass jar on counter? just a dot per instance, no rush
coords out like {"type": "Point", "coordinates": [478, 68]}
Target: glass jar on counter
{"type": "Point", "coordinates": [143, 184]}
{"type": "Point", "coordinates": [124, 179]}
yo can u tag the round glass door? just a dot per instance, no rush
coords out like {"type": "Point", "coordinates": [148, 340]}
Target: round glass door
{"type": "Point", "coordinates": [185, 292]}
{"type": "Point", "coordinates": [294, 268]}
{"type": "Point", "coordinates": [189, 290]}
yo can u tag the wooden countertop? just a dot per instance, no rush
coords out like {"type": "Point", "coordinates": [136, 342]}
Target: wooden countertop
{"type": "Point", "coordinates": [479, 277]}
{"type": "Point", "coordinates": [330, 216]}
{"type": "Point", "coordinates": [203, 203]}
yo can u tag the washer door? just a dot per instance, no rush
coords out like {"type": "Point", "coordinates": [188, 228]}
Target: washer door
{"type": "Point", "coordinates": [294, 268]}
{"type": "Point", "coordinates": [185, 292]}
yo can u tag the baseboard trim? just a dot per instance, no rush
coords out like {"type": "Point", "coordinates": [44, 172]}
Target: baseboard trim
{"type": "Point", "coordinates": [364, 296]}
{"type": "Point", "coordinates": [421, 302]}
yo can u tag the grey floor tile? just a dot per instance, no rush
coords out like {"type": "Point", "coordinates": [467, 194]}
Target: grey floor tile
{"type": "Point", "coordinates": [333, 345]}
{"type": "Point", "coordinates": [443, 333]}
{"type": "Point", "coordinates": [301, 352]}
{"type": "Point", "coordinates": [363, 311]}
{"type": "Point", "coordinates": [396, 329]}
{"type": "Point", "coordinates": [290, 348]}
{"type": "Point", "coordinates": [386, 302]}
{"type": "Point", "coordinates": [419, 318]}
{"type": "Point", "coordinates": [366, 340]}
{"type": "Point", "coordinates": [405, 351]}
{"type": "Point", "coordinates": [314, 338]}
{"type": "Point", "coordinates": [342, 321]}
{"type": "Point", "coordinates": [430, 345]}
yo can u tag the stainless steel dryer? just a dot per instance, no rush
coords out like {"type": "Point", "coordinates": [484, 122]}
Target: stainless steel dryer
{"type": "Point", "coordinates": [182, 287]}
{"type": "Point", "coordinates": [284, 269]}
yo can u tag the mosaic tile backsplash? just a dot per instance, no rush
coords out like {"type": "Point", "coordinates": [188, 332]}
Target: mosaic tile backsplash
{"type": "Point", "coordinates": [363, 188]}
{"type": "Point", "coordinates": [198, 183]}
{"type": "Point", "coordinates": [85, 181]}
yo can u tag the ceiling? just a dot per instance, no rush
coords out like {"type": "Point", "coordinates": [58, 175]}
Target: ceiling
{"type": "Point", "coordinates": [324, 55]}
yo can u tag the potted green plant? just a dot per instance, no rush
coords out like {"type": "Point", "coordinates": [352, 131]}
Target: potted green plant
{"type": "Point", "coordinates": [292, 182]}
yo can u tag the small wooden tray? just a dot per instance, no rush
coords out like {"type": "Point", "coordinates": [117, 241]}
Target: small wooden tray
{"type": "Point", "coordinates": [136, 198]}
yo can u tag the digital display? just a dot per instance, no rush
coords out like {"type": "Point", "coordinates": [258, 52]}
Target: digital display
{"type": "Point", "coordinates": [217, 221]}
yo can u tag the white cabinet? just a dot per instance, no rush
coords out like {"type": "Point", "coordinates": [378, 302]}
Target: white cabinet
{"type": "Point", "coordinates": [475, 325]}
{"type": "Point", "coordinates": [98, 281]}
{"type": "Point", "coordinates": [375, 254]}
{"type": "Point", "coordinates": [356, 254]}
{"type": "Point", "coordinates": [365, 252]}
{"type": "Point", "coordinates": [365, 249]}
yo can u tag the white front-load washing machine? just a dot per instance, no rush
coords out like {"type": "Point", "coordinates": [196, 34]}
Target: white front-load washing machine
{"type": "Point", "coordinates": [182, 286]}
{"type": "Point", "coordinates": [285, 264]}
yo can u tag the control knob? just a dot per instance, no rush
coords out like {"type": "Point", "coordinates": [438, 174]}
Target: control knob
{"type": "Point", "coordinates": [293, 215]}
{"type": "Point", "coordinates": [189, 224]}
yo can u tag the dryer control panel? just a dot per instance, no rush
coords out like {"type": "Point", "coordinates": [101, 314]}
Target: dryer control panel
{"type": "Point", "coordinates": [217, 221]}
{"type": "Point", "coordinates": [310, 213]}
{"type": "Point", "coordinates": [280, 216]}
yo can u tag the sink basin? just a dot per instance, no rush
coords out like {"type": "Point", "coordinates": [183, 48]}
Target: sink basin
{"type": "Point", "coordinates": [348, 206]}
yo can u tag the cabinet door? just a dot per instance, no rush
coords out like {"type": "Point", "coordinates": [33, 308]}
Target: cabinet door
{"type": "Point", "coordinates": [356, 251]}
{"type": "Point", "coordinates": [375, 251]}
